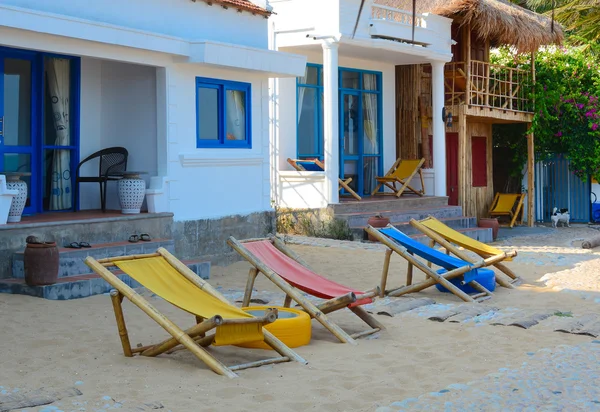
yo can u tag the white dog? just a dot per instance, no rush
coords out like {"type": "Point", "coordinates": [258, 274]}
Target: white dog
{"type": "Point", "coordinates": [562, 216]}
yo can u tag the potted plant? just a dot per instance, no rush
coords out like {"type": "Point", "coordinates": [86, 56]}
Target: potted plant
{"type": "Point", "coordinates": [377, 221]}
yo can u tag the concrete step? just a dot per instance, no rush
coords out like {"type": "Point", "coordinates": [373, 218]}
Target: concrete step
{"type": "Point", "coordinates": [359, 219]}
{"type": "Point", "coordinates": [71, 261]}
{"type": "Point", "coordinates": [459, 222]}
{"type": "Point", "coordinates": [82, 286]}
{"type": "Point", "coordinates": [374, 204]}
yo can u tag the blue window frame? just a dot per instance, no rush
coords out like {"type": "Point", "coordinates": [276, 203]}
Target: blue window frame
{"type": "Point", "coordinates": [309, 113]}
{"type": "Point", "coordinates": [34, 145]}
{"type": "Point", "coordinates": [223, 114]}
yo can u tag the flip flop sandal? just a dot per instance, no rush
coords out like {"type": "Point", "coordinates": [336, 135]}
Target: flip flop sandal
{"type": "Point", "coordinates": [84, 244]}
{"type": "Point", "coordinates": [73, 245]}
{"type": "Point", "coordinates": [145, 237]}
{"type": "Point", "coordinates": [134, 238]}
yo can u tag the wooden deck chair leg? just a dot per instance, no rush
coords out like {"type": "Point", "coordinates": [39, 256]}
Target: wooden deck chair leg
{"type": "Point", "coordinates": [349, 189]}
{"type": "Point", "coordinates": [517, 211]}
{"type": "Point", "coordinates": [409, 274]}
{"type": "Point", "coordinates": [117, 299]}
{"type": "Point", "coordinates": [422, 181]}
{"type": "Point", "coordinates": [311, 309]}
{"type": "Point", "coordinates": [337, 303]}
{"type": "Point", "coordinates": [375, 325]}
{"type": "Point", "coordinates": [287, 302]}
{"type": "Point", "coordinates": [386, 269]}
{"type": "Point", "coordinates": [249, 287]}
{"type": "Point", "coordinates": [161, 319]}
{"type": "Point", "coordinates": [374, 192]}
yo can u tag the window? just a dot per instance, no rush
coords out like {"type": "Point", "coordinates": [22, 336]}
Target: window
{"type": "Point", "coordinates": [310, 113]}
{"type": "Point", "coordinates": [479, 160]}
{"type": "Point", "coordinates": [223, 113]}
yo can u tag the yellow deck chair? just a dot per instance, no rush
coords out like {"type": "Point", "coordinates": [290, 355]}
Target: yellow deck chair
{"type": "Point", "coordinates": [438, 232]}
{"type": "Point", "coordinates": [508, 204]}
{"type": "Point", "coordinates": [401, 173]}
{"type": "Point", "coordinates": [315, 165]}
{"type": "Point", "coordinates": [167, 277]}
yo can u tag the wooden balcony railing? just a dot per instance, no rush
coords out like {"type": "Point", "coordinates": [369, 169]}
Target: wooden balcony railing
{"type": "Point", "coordinates": [488, 85]}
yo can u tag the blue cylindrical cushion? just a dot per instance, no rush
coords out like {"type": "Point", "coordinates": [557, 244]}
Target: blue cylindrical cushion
{"type": "Point", "coordinates": [485, 277]}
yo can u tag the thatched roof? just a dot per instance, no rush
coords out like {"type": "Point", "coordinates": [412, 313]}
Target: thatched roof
{"type": "Point", "coordinates": [500, 22]}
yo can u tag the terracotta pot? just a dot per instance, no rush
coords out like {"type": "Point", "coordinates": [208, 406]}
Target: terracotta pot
{"type": "Point", "coordinates": [41, 263]}
{"type": "Point", "coordinates": [491, 222]}
{"type": "Point", "coordinates": [377, 221]}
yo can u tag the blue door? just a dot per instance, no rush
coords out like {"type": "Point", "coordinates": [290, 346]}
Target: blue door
{"type": "Point", "coordinates": [360, 130]}
{"type": "Point", "coordinates": [17, 114]}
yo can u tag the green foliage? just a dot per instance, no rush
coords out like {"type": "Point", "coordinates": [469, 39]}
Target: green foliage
{"type": "Point", "coordinates": [312, 223]}
{"type": "Point", "coordinates": [567, 110]}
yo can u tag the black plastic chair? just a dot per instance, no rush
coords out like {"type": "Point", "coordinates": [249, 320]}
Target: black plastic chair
{"type": "Point", "coordinates": [112, 162]}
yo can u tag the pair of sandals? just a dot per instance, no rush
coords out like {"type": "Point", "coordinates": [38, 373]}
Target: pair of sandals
{"type": "Point", "coordinates": [78, 245]}
{"type": "Point", "coordinates": [144, 237]}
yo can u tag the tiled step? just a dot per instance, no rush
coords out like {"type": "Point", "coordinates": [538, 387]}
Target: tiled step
{"type": "Point", "coordinates": [369, 205]}
{"type": "Point", "coordinates": [81, 286]}
{"type": "Point", "coordinates": [459, 222]}
{"type": "Point", "coordinates": [72, 263]}
{"type": "Point", "coordinates": [359, 219]}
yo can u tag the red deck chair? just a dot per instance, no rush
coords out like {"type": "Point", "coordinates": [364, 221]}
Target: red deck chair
{"type": "Point", "coordinates": [289, 272]}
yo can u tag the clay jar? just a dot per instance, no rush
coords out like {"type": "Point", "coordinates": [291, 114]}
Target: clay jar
{"type": "Point", "coordinates": [377, 221]}
{"type": "Point", "coordinates": [491, 222]}
{"type": "Point", "coordinates": [41, 263]}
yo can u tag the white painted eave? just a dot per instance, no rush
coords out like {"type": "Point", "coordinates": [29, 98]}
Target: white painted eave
{"type": "Point", "coordinates": [268, 62]}
{"type": "Point", "coordinates": [276, 64]}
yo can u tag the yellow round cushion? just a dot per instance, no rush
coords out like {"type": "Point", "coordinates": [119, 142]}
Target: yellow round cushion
{"type": "Point", "coordinates": [292, 327]}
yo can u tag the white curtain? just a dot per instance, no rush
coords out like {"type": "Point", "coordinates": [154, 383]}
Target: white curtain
{"type": "Point", "coordinates": [301, 90]}
{"type": "Point", "coordinates": [59, 86]}
{"type": "Point", "coordinates": [370, 126]}
{"type": "Point", "coordinates": [236, 115]}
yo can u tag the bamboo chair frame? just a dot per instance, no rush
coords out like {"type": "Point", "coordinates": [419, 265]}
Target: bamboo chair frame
{"type": "Point", "coordinates": [432, 276]}
{"type": "Point", "coordinates": [391, 181]}
{"type": "Point", "coordinates": [446, 242]}
{"type": "Point", "coordinates": [193, 339]}
{"type": "Point", "coordinates": [511, 215]}
{"type": "Point", "coordinates": [343, 183]}
{"type": "Point", "coordinates": [318, 312]}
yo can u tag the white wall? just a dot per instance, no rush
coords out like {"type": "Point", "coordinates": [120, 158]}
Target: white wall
{"type": "Point", "coordinates": [180, 18]}
{"type": "Point", "coordinates": [210, 183]}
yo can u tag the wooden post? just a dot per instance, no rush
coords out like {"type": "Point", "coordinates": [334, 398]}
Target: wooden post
{"type": "Point", "coordinates": [249, 287]}
{"type": "Point", "coordinates": [270, 339]}
{"type": "Point", "coordinates": [161, 319]}
{"type": "Point", "coordinates": [386, 269]}
{"type": "Point", "coordinates": [117, 299]}
{"type": "Point", "coordinates": [463, 160]}
{"type": "Point", "coordinates": [311, 309]}
{"type": "Point", "coordinates": [468, 68]}
{"type": "Point", "coordinates": [530, 178]}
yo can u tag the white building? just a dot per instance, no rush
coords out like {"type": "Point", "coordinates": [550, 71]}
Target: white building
{"type": "Point", "coordinates": [342, 109]}
{"type": "Point", "coordinates": [183, 85]}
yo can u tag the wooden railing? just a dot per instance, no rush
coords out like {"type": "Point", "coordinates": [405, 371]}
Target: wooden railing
{"type": "Point", "coordinates": [488, 85]}
{"type": "Point", "coordinates": [399, 16]}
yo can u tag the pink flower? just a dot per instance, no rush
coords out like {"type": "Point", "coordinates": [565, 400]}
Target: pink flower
{"type": "Point", "coordinates": [595, 126]}
{"type": "Point", "coordinates": [559, 134]}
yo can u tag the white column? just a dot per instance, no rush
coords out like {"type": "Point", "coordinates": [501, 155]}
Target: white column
{"type": "Point", "coordinates": [330, 119]}
{"type": "Point", "coordinates": [439, 131]}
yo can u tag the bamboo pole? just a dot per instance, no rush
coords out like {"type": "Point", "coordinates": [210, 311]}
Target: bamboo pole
{"type": "Point", "coordinates": [159, 318]}
{"type": "Point", "coordinates": [409, 274]}
{"type": "Point", "coordinates": [287, 301]}
{"type": "Point", "coordinates": [254, 239]}
{"type": "Point", "coordinates": [291, 291]}
{"type": "Point", "coordinates": [270, 339]}
{"type": "Point", "coordinates": [364, 333]}
{"type": "Point", "coordinates": [128, 257]}
{"type": "Point", "coordinates": [278, 243]}
{"type": "Point", "coordinates": [334, 304]}
{"type": "Point", "coordinates": [256, 364]}
{"type": "Point", "coordinates": [117, 299]}
{"type": "Point", "coordinates": [252, 273]}
{"type": "Point", "coordinates": [192, 332]}
{"type": "Point", "coordinates": [384, 274]}
{"type": "Point", "coordinates": [367, 317]}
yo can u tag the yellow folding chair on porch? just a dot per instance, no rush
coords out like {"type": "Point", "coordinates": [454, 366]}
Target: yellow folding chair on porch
{"type": "Point", "coordinates": [402, 172]}
{"type": "Point", "coordinates": [508, 204]}
{"type": "Point", "coordinates": [315, 165]}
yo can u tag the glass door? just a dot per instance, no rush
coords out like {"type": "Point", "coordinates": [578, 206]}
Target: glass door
{"type": "Point", "coordinates": [16, 119]}
{"type": "Point", "coordinates": [350, 112]}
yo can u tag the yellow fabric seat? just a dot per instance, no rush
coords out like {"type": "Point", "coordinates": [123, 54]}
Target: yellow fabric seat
{"type": "Point", "coordinates": [507, 204]}
{"type": "Point", "coordinates": [402, 172]}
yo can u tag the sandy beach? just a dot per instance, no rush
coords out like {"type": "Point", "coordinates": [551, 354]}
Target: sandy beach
{"type": "Point", "coordinates": [63, 344]}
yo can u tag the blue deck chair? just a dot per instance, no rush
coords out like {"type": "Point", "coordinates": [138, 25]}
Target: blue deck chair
{"type": "Point", "coordinates": [315, 165]}
{"type": "Point", "coordinates": [456, 275]}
